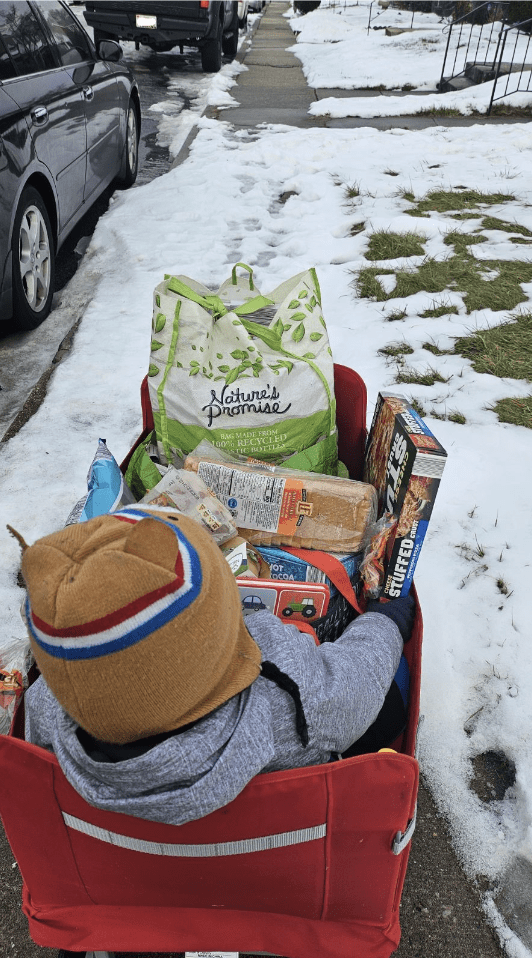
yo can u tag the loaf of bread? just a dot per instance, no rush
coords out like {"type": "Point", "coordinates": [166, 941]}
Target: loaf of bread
{"type": "Point", "coordinates": [272, 506]}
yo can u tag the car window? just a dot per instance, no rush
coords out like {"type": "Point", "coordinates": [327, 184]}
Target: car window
{"type": "Point", "coordinates": [72, 43]}
{"type": "Point", "coordinates": [24, 39]}
{"type": "Point", "coordinates": [7, 70]}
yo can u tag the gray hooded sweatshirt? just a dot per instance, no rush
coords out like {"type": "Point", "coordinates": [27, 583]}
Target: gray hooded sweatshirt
{"type": "Point", "coordinates": [187, 776]}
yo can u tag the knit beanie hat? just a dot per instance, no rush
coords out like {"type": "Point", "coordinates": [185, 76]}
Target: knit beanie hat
{"type": "Point", "coordinates": [135, 623]}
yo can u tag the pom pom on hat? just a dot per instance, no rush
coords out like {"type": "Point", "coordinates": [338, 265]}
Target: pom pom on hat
{"type": "Point", "coordinates": [127, 623]}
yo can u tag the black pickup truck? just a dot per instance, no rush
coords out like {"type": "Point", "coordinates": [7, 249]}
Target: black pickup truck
{"type": "Point", "coordinates": [210, 25]}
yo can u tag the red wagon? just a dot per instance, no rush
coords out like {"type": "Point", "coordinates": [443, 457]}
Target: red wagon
{"type": "Point", "coordinates": [308, 863]}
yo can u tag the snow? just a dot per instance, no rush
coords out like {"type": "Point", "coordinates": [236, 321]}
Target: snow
{"type": "Point", "coordinates": [336, 49]}
{"type": "Point", "coordinates": [222, 205]}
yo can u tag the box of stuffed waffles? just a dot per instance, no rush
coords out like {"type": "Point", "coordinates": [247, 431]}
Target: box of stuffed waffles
{"type": "Point", "coordinates": [405, 462]}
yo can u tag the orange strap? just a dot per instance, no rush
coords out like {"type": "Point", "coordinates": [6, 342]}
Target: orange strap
{"type": "Point", "coordinates": [333, 569]}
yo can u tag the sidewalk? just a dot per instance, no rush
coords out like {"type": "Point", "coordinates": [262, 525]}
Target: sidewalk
{"type": "Point", "coordinates": [274, 90]}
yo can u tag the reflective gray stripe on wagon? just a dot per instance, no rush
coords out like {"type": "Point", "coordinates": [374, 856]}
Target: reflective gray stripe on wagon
{"type": "Point", "coordinates": [243, 847]}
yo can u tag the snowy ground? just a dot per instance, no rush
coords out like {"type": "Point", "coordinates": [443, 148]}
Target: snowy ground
{"type": "Point", "coordinates": [222, 205]}
{"type": "Point", "coordinates": [337, 50]}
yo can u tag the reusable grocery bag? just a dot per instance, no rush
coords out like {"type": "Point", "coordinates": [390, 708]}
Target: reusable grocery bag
{"type": "Point", "coordinates": [253, 374]}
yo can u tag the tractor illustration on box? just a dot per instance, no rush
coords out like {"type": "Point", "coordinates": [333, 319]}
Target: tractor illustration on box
{"type": "Point", "coordinates": [305, 607]}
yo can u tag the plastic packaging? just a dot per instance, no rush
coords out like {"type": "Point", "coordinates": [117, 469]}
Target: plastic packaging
{"type": "Point", "coordinates": [15, 661]}
{"type": "Point", "coordinates": [244, 560]}
{"type": "Point", "coordinates": [373, 563]}
{"type": "Point", "coordinates": [187, 492]}
{"type": "Point", "coordinates": [274, 505]}
{"type": "Point", "coordinates": [107, 490]}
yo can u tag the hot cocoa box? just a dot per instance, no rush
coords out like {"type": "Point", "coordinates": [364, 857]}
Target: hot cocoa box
{"type": "Point", "coordinates": [405, 462]}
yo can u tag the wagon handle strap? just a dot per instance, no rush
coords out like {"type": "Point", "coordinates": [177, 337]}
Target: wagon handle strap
{"type": "Point", "coordinates": [333, 569]}
{"type": "Point", "coordinates": [402, 839]}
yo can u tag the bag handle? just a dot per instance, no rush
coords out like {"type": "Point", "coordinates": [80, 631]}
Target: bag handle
{"type": "Point", "coordinates": [250, 271]}
{"type": "Point", "coordinates": [212, 302]}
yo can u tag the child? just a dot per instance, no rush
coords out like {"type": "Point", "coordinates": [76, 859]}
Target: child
{"type": "Point", "coordinates": [156, 697]}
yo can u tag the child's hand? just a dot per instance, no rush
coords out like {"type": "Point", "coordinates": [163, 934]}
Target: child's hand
{"type": "Point", "coordinates": [401, 611]}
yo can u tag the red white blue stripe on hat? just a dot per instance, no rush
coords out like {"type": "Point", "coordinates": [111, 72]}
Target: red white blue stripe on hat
{"type": "Point", "coordinates": [121, 629]}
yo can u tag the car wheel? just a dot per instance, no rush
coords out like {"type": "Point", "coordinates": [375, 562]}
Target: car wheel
{"type": "Point", "coordinates": [32, 246]}
{"type": "Point", "coordinates": [287, 612]}
{"type": "Point", "coordinates": [309, 611]}
{"type": "Point", "coordinates": [211, 52]}
{"type": "Point", "coordinates": [130, 157]}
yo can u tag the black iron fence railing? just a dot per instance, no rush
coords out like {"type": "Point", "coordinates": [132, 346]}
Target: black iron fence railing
{"type": "Point", "coordinates": [488, 50]}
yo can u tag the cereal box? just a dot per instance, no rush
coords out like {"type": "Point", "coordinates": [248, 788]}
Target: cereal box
{"type": "Point", "coordinates": [405, 462]}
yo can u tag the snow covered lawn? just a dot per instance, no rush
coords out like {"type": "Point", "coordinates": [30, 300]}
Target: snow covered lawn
{"type": "Point", "coordinates": [293, 199]}
{"type": "Point", "coordinates": [337, 50]}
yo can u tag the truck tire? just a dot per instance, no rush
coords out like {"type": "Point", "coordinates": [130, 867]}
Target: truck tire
{"type": "Point", "coordinates": [230, 43]}
{"type": "Point", "coordinates": [211, 52]}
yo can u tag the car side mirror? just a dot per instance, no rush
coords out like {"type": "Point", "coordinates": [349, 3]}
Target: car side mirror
{"type": "Point", "coordinates": [110, 50]}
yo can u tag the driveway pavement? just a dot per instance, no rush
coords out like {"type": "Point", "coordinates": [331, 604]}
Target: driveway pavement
{"type": "Point", "coordinates": [441, 910]}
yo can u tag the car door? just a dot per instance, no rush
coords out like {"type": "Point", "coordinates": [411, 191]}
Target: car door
{"type": "Point", "coordinates": [51, 103]}
{"type": "Point", "coordinates": [97, 82]}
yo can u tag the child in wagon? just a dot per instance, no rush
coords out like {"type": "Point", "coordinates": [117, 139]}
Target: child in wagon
{"type": "Point", "coordinates": [158, 700]}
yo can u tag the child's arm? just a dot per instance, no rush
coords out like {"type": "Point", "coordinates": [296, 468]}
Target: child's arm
{"type": "Point", "coordinates": [342, 684]}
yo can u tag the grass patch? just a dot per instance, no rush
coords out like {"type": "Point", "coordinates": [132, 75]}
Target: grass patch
{"type": "Point", "coordinates": [442, 310]}
{"type": "Point", "coordinates": [464, 216]}
{"type": "Point", "coordinates": [406, 195]}
{"type": "Point", "coordinates": [396, 349]}
{"type": "Point", "coordinates": [462, 272]}
{"type": "Point", "coordinates": [357, 228]}
{"type": "Point", "coordinates": [435, 350]}
{"type": "Point", "coordinates": [439, 111]}
{"type": "Point", "coordinates": [499, 109]}
{"type": "Point", "coordinates": [351, 191]}
{"type": "Point", "coordinates": [419, 408]}
{"type": "Point", "coordinates": [457, 417]}
{"type": "Point", "coordinates": [395, 315]}
{"type": "Point", "coordinates": [446, 201]}
{"type": "Point", "coordinates": [368, 286]}
{"type": "Point", "coordinates": [521, 240]}
{"type": "Point", "coordinates": [462, 241]}
{"type": "Point", "coordinates": [391, 172]}
{"type": "Point", "coordinates": [428, 378]}
{"type": "Point", "coordinates": [505, 350]}
{"type": "Point", "coordinates": [494, 223]}
{"type": "Point", "coordinates": [387, 245]}
{"type": "Point", "coordinates": [518, 412]}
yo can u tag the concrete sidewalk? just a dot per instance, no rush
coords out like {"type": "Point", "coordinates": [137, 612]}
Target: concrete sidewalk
{"type": "Point", "coordinates": [274, 90]}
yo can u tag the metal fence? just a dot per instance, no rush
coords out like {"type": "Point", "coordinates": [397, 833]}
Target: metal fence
{"type": "Point", "coordinates": [481, 48]}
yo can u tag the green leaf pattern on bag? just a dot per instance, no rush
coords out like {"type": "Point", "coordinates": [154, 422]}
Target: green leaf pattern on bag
{"type": "Point", "coordinates": [189, 320]}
